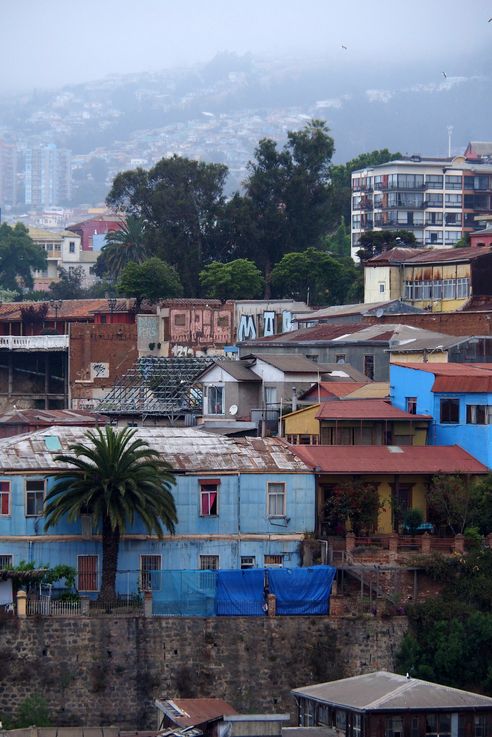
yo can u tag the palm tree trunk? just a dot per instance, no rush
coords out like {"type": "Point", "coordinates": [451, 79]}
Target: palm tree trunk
{"type": "Point", "coordinates": [110, 545]}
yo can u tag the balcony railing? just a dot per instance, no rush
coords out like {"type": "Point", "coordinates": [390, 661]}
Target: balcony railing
{"type": "Point", "coordinates": [34, 342]}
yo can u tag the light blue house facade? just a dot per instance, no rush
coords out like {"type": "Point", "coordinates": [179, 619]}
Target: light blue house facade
{"type": "Point", "coordinates": [459, 398]}
{"type": "Point", "coordinates": [241, 503]}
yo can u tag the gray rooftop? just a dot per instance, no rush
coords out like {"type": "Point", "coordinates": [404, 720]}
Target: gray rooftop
{"type": "Point", "coordinates": [186, 449]}
{"type": "Point", "coordinates": [384, 691]}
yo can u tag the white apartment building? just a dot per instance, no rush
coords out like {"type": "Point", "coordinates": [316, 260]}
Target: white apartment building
{"type": "Point", "coordinates": [63, 249]}
{"type": "Point", "coordinates": [438, 199]}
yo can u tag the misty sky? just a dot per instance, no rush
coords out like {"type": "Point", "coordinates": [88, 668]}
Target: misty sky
{"type": "Point", "coordinates": [51, 42]}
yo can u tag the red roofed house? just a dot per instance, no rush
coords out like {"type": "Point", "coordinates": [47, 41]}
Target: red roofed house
{"type": "Point", "coordinates": [205, 714]}
{"type": "Point", "coordinates": [401, 474]}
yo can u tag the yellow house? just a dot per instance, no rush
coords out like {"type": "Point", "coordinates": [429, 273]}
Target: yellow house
{"type": "Point", "coordinates": [355, 422]}
{"type": "Point", "coordinates": [434, 279]}
{"type": "Point", "coordinates": [400, 473]}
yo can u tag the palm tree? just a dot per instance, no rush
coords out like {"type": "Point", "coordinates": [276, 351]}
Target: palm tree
{"type": "Point", "coordinates": [125, 246]}
{"type": "Point", "coordinates": [115, 478]}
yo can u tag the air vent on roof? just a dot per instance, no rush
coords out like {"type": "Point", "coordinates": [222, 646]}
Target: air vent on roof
{"type": "Point", "coordinates": [395, 449]}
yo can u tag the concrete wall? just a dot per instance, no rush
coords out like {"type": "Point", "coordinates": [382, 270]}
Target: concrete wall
{"type": "Point", "coordinates": [100, 671]}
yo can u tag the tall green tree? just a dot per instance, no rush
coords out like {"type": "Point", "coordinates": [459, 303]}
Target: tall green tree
{"type": "Point", "coordinates": [153, 279]}
{"type": "Point", "coordinates": [117, 479]}
{"type": "Point", "coordinates": [19, 256]}
{"type": "Point", "coordinates": [314, 276]}
{"type": "Point", "coordinates": [181, 202]}
{"type": "Point", "coordinates": [238, 279]}
{"type": "Point", "coordinates": [287, 194]}
{"type": "Point", "coordinates": [124, 246]}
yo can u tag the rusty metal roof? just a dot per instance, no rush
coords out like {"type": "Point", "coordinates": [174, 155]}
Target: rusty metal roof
{"type": "Point", "coordinates": [474, 378]}
{"type": "Point", "coordinates": [193, 712]}
{"type": "Point", "coordinates": [383, 691]}
{"type": "Point", "coordinates": [186, 449]}
{"type": "Point", "coordinates": [388, 459]}
{"type": "Point", "coordinates": [365, 409]}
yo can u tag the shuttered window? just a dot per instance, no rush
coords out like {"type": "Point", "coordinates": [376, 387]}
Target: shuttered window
{"type": "Point", "coordinates": [87, 572]}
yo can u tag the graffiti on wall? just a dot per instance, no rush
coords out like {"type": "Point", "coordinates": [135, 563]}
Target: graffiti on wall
{"type": "Point", "coordinates": [269, 323]}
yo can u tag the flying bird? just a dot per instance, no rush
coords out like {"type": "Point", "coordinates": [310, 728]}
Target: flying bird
{"type": "Point", "coordinates": [344, 47]}
{"type": "Point", "coordinates": [490, 19]}
{"type": "Point", "coordinates": [444, 75]}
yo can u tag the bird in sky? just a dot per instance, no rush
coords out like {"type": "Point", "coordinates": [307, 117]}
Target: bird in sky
{"type": "Point", "coordinates": [444, 75]}
{"type": "Point", "coordinates": [490, 19]}
{"type": "Point", "coordinates": [344, 47]}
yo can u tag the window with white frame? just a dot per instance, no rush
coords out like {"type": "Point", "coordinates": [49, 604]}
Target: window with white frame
{"type": "Point", "coordinates": [270, 395]}
{"type": "Point", "coordinates": [87, 573]}
{"type": "Point", "coordinates": [276, 498]}
{"type": "Point", "coordinates": [209, 498]}
{"type": "Point", "coordinates": [209, 562]}
{"type": "Point", "coordinates": [477, 414]}
{"type": "Point", "coordinates": [4, 498]}
{"type": "Point", "coordinates": [215, 400]}
{"type": "Point", "coordinates": [5, 562]}
{"type": "Point", "coordinates": [35, 489]}
{"type": "Point", "coordinates": [247, 562]}
{"type": "Point", "coordinates": [148, 563]}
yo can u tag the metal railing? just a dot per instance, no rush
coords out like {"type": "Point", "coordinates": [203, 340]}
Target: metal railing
{"type": "Point", "coordinates": [34, 342]}
{"type": "Point", "coordinates": [48, 607]}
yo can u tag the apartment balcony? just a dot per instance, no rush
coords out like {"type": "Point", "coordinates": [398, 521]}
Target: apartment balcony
{"type": "Point", "coordinates": [34, 342]}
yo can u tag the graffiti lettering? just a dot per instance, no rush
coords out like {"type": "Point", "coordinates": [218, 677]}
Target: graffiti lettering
{"type": "Point", "coordinates": [247, 328]}
{"type": "Point", "coordinates": [287, 325]}
{"type": "Point", "coordinates": [99, 370]}
{"type": "Point", "coordinates": [268, 323]}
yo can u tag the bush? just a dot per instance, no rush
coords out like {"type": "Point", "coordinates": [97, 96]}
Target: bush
{"type": "Point", "coordinates": [412, 520]}
{"type": "Point", "coordinates": [33, 711]}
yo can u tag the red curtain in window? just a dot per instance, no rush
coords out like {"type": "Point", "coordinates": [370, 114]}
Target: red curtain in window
{"type": "Point", "coordinates": [4, 497]}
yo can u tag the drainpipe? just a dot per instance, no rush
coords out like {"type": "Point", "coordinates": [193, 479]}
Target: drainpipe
{"type": "Point", "coordinates": [294, 399]}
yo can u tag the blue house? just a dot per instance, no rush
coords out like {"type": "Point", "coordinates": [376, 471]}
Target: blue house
{"type": "Point", "coordinates": [241, 503]}
{"type": "Point", "coordinates": [457, 395]}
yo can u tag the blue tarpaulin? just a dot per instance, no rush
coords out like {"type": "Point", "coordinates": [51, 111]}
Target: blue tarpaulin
{"type": "Point", "coordinates": [183, 593]}
{"type": "Point", "coordinates": [302, 590]}
{"type": "Point", "coordinates": [240, 593]}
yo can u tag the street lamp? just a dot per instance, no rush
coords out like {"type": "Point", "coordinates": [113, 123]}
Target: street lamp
{"type": "Point", "coordinates": [56, 304]}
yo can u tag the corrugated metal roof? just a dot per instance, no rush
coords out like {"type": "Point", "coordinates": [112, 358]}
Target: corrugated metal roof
{"type": "Point", "coordinates": [430, 255]}
{"type": "Point", "coordinates": [51, 417]}
{"type": "Point", "coordinates": [186, 449]}
{"type": "Point", "coordinates": [289, 363]}
{"type": "Point", "coordinates": [373, 390]}
{"type": "Point", "coordinates": [383, 691]}
{"type": "Point", "coordinates": [239, 370]}
{"type": "Point", "coordinates": [69, 308]}
{"type": "Point", "coordinates": [196, 711]}
{"type": "Point", "coordinates": [388, 459]}
{"type": "Point", "coordinates": [333, 389]}
{"type": "Point", "coordinates": [373, 409]}
{"type": "Point", "coordinates": [473, 378]}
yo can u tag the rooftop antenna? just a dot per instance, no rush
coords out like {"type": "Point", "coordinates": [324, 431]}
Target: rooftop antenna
{"type": "Point", "coordinates": [450, 133]}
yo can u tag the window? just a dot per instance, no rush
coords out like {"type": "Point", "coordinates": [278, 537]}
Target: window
{"type": "Point", "coordinates": [411, 405]}
{"type": "Point", "coordinates": [476, 414]}
{"type": "Point", "coordinates": [276, 500]}
{"type": "Point", "coordinates": [453, 182]}
{"type": "Point", "coordinates": [216, 400]}
{"type": "Point", "coordinates": [340, 358]}
{"type": "Point", "coordinates": [341, 720]}
{"type": "Point", "coordinates": [248, 561]}
{"type": "Point", "coordinates": [438, 725]}
{"type": "Point", "coordinates": [433, 218]}
{"type": "Point", "coordinates": [356, 725]}
{"type": "Point", "coordinates": [481, 725]}
{"type": "Point", "coordinates": [87, 572]}
{"type": "Point", "coordinates": [273, 560]}
{"type": "Point", "coordinates": [5, 562]}
{"type": "Point", "coordinates": [209, 562]}
{"type": "Point", "coordinates": [450, 411]}
{"type": "Point", "coordinates": [382, 287]}
{"type": "Point", "coordinates": [223, 321]}
{"type": "Point", "coordinates": [453, 200]}
{"type": "Point", "coordinates": [34, 497]}
{"type": "Point", "coordinates": [209, 498]}
{"type": "Point", "coordinates": [270, 395]}
{"type": "Point", "coordinates": [462, 288]}
{"type": "Point", "coordinates": [71, 247]}
{"type": "Point", "coordinates": [180, 319]}
{"type": "Point", "coordinates": [393, 727]}
{"type": "Point", "coordinates": [434, 181]}
{"type": "Point", "coordinates": [4, 498]}
{"type": "Point", "coordinates": [148, 563]}
{"type": "Point", "coordinates": [452, 236]}
{"type": "Point", "coordinates": [433, 199]}
{"type": "Point", "coordinates": [369, 366]}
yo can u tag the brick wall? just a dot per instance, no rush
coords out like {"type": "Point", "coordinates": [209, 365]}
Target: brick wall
{"type": "Point", "coordinates": [450, 323]}
{"type": "Point", "coordinates": [107, 670]}
{"type": "Point", "coordinates": [113, 346]}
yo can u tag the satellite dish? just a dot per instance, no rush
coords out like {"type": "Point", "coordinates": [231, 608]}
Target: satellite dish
{"type": "Point", "coordinates": [233, 409]}
{"type": "Point", "coordinates": [379, 312]}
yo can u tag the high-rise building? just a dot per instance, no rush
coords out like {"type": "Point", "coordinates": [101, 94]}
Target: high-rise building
{"type": "Point", "coordinates": [47, 176]}
{"type": "Point", "coordinates": [437, 199]}
{"type": "Point", "coordinates": [8, 174]}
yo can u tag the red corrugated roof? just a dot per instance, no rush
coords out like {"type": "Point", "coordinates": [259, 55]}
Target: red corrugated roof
{"type": "Point", "coordinates": [457, 377]}
{"type": "Point", "coordinates": [387, 459]}
{"type": "Point", "coordinates": [360, 409]}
